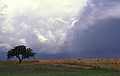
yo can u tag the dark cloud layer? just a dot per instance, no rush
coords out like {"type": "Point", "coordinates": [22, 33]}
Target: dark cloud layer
{"type": "Point", "coordinates": [103, 36]}
{"type": "Point", "coordinates": [97, 33]}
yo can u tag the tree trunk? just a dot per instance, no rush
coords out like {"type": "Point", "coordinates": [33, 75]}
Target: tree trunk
{"type": "Point", "coordinates": [20, 61]}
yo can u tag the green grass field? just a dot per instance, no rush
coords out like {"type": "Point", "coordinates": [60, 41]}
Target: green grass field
{"type": "Point", "coordinates": [35, 69]}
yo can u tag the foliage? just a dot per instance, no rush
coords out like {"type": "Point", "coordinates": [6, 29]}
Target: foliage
{"type": "Point", "coordinates": [21, 52]}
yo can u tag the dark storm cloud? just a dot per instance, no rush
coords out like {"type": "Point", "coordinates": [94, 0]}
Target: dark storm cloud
{"type": "Point", "coordinates": [97, 33]}
{"type": "Point", "coordinates": [102, 36]}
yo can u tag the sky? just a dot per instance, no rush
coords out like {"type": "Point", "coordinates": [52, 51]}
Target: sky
{"type": "Point", "coordinates": [58, 29]}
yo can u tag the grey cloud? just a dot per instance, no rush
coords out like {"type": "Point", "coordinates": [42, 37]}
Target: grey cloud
{"type": "Point", "coordinates": [104, 35]}
{"type": "Point", "coordinates": [96, 34]}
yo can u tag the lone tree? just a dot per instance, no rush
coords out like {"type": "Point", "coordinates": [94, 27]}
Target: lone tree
{"type": "Point", "coordinates": [21, 52]}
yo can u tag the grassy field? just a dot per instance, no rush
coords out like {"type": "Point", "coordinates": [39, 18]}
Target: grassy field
{"type": "Point", "coordinates": [57, 68]}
